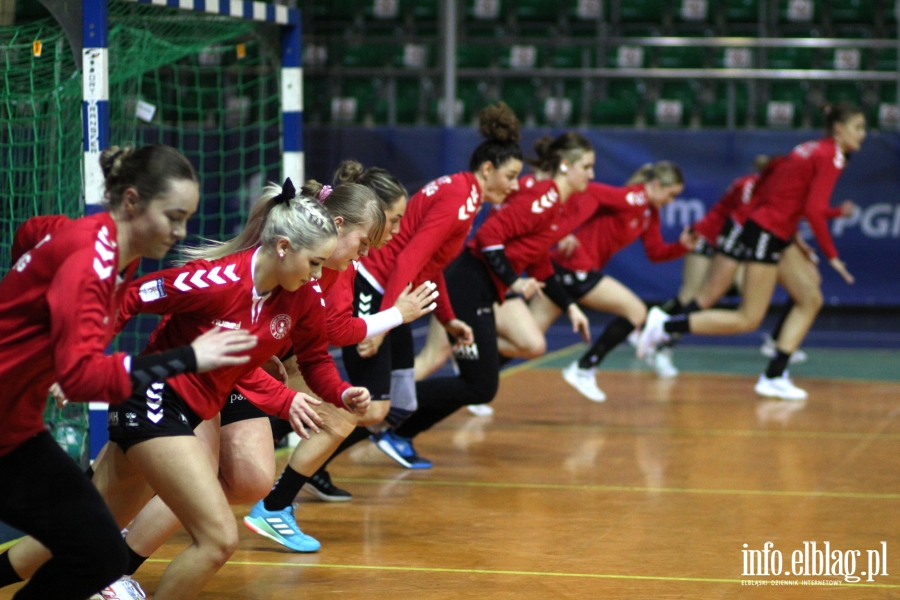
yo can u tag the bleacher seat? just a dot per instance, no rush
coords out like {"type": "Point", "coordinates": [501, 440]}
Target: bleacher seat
{"type": "Point", "coordinates": [371, 105]}
{"type": "Point", "coordinates": [570, 57]}
{"type": "Point", "coordinates": [675, 104]}
{"type": "Point", "coordinates": [521, 56]}
{"type": "Point", "coordinates": [786, 105]}
{"type": "Point", "coordinates": [539, 10]}
{"type": "Point", "coordinates": [693, 11]}
{"type": "Point", "coordinates": [368, 54]}
{"type": "Point", "coordinates": [852, 11]}
{"type": "Point", "coordinates": [483, 10]}
{"type": "Point", "coordinates": [740, 11]}
{"type": "Point", "coordinates": [714, 113]}
{"type": "Point", "coordinates": [473, 94]}
{"type": "Point", "coordinates": [415, 56]}
{"type": "Point", "coordinates": [851, 92]}
{"type": "Point", "coordinates": [623, 99]}
{"type": "Point", "coordinates": [475, 56]}
{"type": "Point", "coordinates": [846, 59]}
{"type": "Point", "coordinates": [628, 57]}
{"type": "Point", "coordinates": [523, 96]}
{"type": "Point", "coordinates": [734, 58]}
{"type": "Point", "coordinates": [407, 98]}
{"type": "Point", "coordinates": [799, 11]}
{"type": "Point", "coordinates": [681, 57]}
{"type": "Point", "coordinates": [644, 11]}
{"type": "Point", "coordinates": [316, 105]}
{"type": "Point", "coordinates": [383, 10]}
{"type": "Point", "coordinates": [790, 58]}
{"type": "Point", "coordinates": [562, 109]}
{"type": "Point", "coordinates": [333, 10]}
{"type": "Point", "coordinates": [887, 112]}
{"type": "Point", "coordinates": [886, 59]}
{"type": "Point", "coordinates": [588, 10]}
{"type": "Point", "coordinates": [424, 10]}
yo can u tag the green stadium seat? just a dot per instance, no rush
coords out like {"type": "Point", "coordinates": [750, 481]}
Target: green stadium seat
{"type": "Point", "coordinates": [588, 10]}
{"type": "Point", "coordinates": [675, 104]}
{"type": "Point", "coordinates": [333, 10]}
{"type": "Point", "coordinates": [715, 112]}
{"type": "Point", "coordinates": [570, 57]}
{"type": "Point", "coordinates": [424, 10]}
{"type": "Point", "coordinates": [473, 94]}
{"type": "Point", "coordinates": [799, 11]}
{"type": "Point", "coordinates": [382, 9]}
{"type": "Point", "coordinates": [846, 59]}
{"type": "Point", "coordinates": [522, 95]}
{"type": "Point", "coordinates": [484, 10]}
{"type": "Point", "coordinates": [565, 109]}
{"type": "Point", "coordinates": [681, 57]}
{"type": "Point", "coordinates": [693, 11]}
{"type": "Point", "coordinates": [852, 11]}
{"type": "Point", "coordinates": [787, 101]}
{"type": "Point", "coordinates": [623, 98]}
{"type": "Point", "coordinates": [539, 10]}
{"type": "Point", "coordinates": [475, 56]}
{"type": "Point", "coordinates": [368, 54]}
{"type": "Point", "coordinates": [407, 96]}
{"type": "Point", "coordinates": [844, 92]}
{"type": "Point", "coordinates": [316, 101]}
{"type": "Point", "coordinates": [415, 56]}
{"type": "Point", "coordinates": [371, 105]}
{"type": "Point", "coordinates": [642, 10]}
{"type": "Point", "coordinates": [521, 56]}
{"type": "Point", "coordinates": [887, 92]}
{"type": "Point", "coordinates": [624, 57]}
{"type": "Point", "coordinates": [734, 58]}
{"type": "Point", "coordinates": [886, 59]}
{"type": "Point", "coordinates": [790, 58]}
{"type": "Point", "coordinates": [740, 11]}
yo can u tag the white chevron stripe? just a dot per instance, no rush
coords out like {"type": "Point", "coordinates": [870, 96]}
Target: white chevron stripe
{"type": "Point", "coordinates": [229, 273]}
{"type": "Point", "coordinates": [105, 254]}
{"type": "Point", "coordinates": [214, 276]}
{"type": "Point", "coordinates": [102, 272]}
{"type": "Point", "coordinates": [179, 283]}
{"type": "Point", "coordinates": [197, 279]}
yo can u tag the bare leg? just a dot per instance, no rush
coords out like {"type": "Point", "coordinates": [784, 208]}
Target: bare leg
{"type": "Point", "coordinates": [611, 296]}
{"type": "Point", "coordinates": [693, 276]}
{"type": "Point", "coordinates": [801, 279]}
{"type": "Point", "coordinates": [518, 334]}
{"type": "Point", "coordinates": [760, 284]}
{"type": "Point", "coordinates": [436, 351]}
{"type": "Point", "coordinates": [718, 279]}
{"type": "Point", "coordinates": [544, 312]}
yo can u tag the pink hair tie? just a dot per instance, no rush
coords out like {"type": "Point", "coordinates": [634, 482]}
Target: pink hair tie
{"type": "Point", "coordinates": [324, 193]}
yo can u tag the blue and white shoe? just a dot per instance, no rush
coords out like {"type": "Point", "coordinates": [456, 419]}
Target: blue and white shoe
{"type": "Point", "coordinates": [400, 449]}
{"type": "Point", "coordinates": [280, 526]}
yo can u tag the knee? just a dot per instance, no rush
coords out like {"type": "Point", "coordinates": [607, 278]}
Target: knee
{"type": "Point", "coordinates": [814, 300]}
{"type": "Point", "coordinates": [535, 347]}
{"type": "Point", "coordinates": [375, 415]}
{"type": "Point", "coordinates": [638, 315]}
{"type": "Point", "coordinates": [221, 544]}
{"type": "Point", "coordinates": [253, 488]}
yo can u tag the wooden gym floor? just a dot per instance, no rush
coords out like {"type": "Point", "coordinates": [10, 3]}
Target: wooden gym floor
{"type": "Point", "coordinates": [652, 494]}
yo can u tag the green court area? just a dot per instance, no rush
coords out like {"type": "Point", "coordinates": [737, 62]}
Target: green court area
{"type": "Point", "coordinates": [825, 363]}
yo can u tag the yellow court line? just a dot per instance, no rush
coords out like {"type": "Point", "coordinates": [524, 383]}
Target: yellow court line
{"type": "Point", "coordinates": [250, 563]}
{"type": "Point", "coordinates": [621, 488]}
{"type": "Point", "coordinates": [6, 545]}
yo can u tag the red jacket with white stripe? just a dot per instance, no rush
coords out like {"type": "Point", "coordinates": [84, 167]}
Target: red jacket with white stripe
{"type": "Point", "coordinates": [57, 316]}
{"type": "Point", "coordinates": [800, 186]}
{"type": "Point", "coordinates": [437, 221]}
{"type": "Point", "coordinates": [202, 294]}
{"type": "Point", "coordinates": [735, 200]}
{"type": "Point", "coordinates": [343, 328]}
{"type": "Point", "coordinates": [622, 215]}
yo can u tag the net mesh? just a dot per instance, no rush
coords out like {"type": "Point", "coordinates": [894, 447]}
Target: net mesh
{"type": "Point", "coordinates": [205, 84]}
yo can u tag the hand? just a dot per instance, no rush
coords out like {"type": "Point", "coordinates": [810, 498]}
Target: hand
{"type": "Point", "coordinates": [275, 368]}
{"type": "Point", "coordinates": [217, 347]}
{"type": "Point", "coordinates": [689, 238]}
{"type": "Point", "coordinates": [357, 400]}
{"type": "Point", "coordinates": [58, 395]}
{"type": "Point", "coordinates": [848, 207]}
{"type": "Point", "coordinates": [568, 244]}
{"type": "Point", "coordinates": [461, 332]}
{"type": "Point", "coordinates": [580, 323]}
{"type": "Point", "coordinates": [302, 413]}
{"type": "Point", "coordinates": [369, 347]}
{"type": "Point", "coordinates": [839, 266]}
{"type": "Point", "coordinates": [806, 249]}
{"type": "Point", "coordinates": [416, 303]}
{"type": "Point", "coordinates": [527, 287]}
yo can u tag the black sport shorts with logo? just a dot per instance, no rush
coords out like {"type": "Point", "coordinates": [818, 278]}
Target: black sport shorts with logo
{"type": "Point", "coordinates": [761, 245]}
{"type": "Point", "coordinates": [157, 412]}
{"type": "Point", "coordinates": [577, 283]}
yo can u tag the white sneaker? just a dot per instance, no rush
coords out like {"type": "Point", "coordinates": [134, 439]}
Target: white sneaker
{"type": "Point", "coordinates": [769, 348]}
{"type": "Point", "coordinates": [584, 381]}
{"type": "Point", "coordinates": [124, 588]}
{"type": "Point", "coordinates": [654, 332]}
{"type": "Point", "coordinates": [662, 363]}
{"type": "Point", "coordinates": [779, 387]}
{"type": "Point", "coordinates": [633, 338]}
{"type": "Point", "coordinates": [481, 410]}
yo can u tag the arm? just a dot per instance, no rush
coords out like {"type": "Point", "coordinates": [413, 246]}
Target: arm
{"type": "Point", "coordinates": [310, 342]}
{"type": "Point", "coordinates": [817, 208]}
{"type": "Point", "coordinates": [266, 392]}
{"type": "Point", "coordinates": [656, 248]}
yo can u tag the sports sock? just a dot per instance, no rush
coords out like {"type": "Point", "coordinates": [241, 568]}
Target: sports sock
{"type": "Point", "coordinates": [135, 561]}
{"type": "Point", "coordinates": [8, 575]}
{"type": "Point", "coordinates": [690, 307]}
{"type": "Point", "coordinates": [782, 318]}
{"type": "Point", "coordinates": [778, 364]}
{"type": "Point", "coordinates": [677, 324]}
{"type": "Point", "coordinates": [286, 489]}
{"type": "Point", "coordinates": [89, 472]}
{"type": "Point", "coordinates": [356, 436]}
{"type": "Point", "coordinates": [611, 337]}
{"type": "Point", "coordinates": [673, 306]}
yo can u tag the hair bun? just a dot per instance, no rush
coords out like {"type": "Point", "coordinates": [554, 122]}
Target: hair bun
{"type": "Point", "coordinates": [348, 172]}
{"type": "Point", "coordinates": [112, 158]}
{"type": "Point", "coordinates": [499, 123]}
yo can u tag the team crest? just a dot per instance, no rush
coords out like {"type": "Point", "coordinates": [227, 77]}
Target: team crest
{"type": "Point", "coordinates": [280, 326]}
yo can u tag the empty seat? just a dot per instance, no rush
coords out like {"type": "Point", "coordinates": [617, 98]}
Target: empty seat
{"type": "Point", "coordinates": [523, 96]}
{"type": "Point", "coordinates": [570, 57]}
{"type": "Point", "coordinates": [368, 55]}
{"type": "Point", "coordinates": [620, 107]}
{"type": "Point", "coordinates": [681, 57]}
{"type": "Point", "coordinates": [483, 10]}
{"type": "Point", "coordinates": [521, 56]}
{"type": "Point", "coordinates": [852, 11]}
{"type": "Point", "coordinates": [799, 11]}
{"type": "Point", "coordinates": [425, 10]}
{"type": "Point", "coordinates": [407, 100]}
{"type": "Point", "coordinates": [790, 58]}
{"type": "Point", "coordinates": [740, 11]}
{"type": "Point", "coordinates": [538, 10]}
{"type": "Point", "coordinates": [563, 106]}
{"type": "Point", "coordinates": [714, 113]}
{"type": "Point", "coordinates": [693, 11]}
{"type": "Point", "coordinates": [642, 10]}
{"type": "Point", "coordinates": [787, 101]}
{"type": "Point", "coordinates": [365, 95]}
{"type": "Point", "coordinates": [886, 59]}
{"type": "Point", "coordinates": [846, 59]}
{"type": "Point", "coordinates": [474, 56]}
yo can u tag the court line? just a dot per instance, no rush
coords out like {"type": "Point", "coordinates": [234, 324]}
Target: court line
{"type": "Point", "coordinates": [621, 488]}
{"type": "Point", "coordinates": [251, 563]}
{"type": "Point", "coordinates": [762, 433]}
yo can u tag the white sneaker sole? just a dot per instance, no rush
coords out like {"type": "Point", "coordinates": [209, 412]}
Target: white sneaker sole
{"type": "Point", "coordinates": [386, 447]}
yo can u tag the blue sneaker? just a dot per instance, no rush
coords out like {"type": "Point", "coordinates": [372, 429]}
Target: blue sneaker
{"type": "Point", "coordinates": [400, 449]}
{"type": "Point", "coordinates": [280, 526]}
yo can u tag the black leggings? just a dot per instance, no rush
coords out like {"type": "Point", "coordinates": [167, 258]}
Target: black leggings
{"type": "Point", "coordinates": [46, 495]}
{"type": "Point", "coordinates": [472, 295]}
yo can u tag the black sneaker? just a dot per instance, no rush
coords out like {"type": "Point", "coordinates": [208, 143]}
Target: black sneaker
{"type": "Point", "coordinates": [320, 486]}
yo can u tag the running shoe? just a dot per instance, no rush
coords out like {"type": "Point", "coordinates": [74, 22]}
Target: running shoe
{"type": "Point", "coordinates": [584, 381]}
{"type": "Point", "coordinates": [124, 588]}
{"type": "Point", "coordinates": [661, 361]}
{"type": "Point", "coordinates": [280, 526]}
{"type": "Point", "coordinates": [481, 410]}
{"type": "Point", "coordinates": [400, 449]}
{"type": "Point", "coordinates": [779, 387]}
{"type": "Point", "coordinates": [769, 349]}
{"type": "Point", "coordinates": [320, 486]}
{"type": "Point", "coordinates": [654, 332]}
